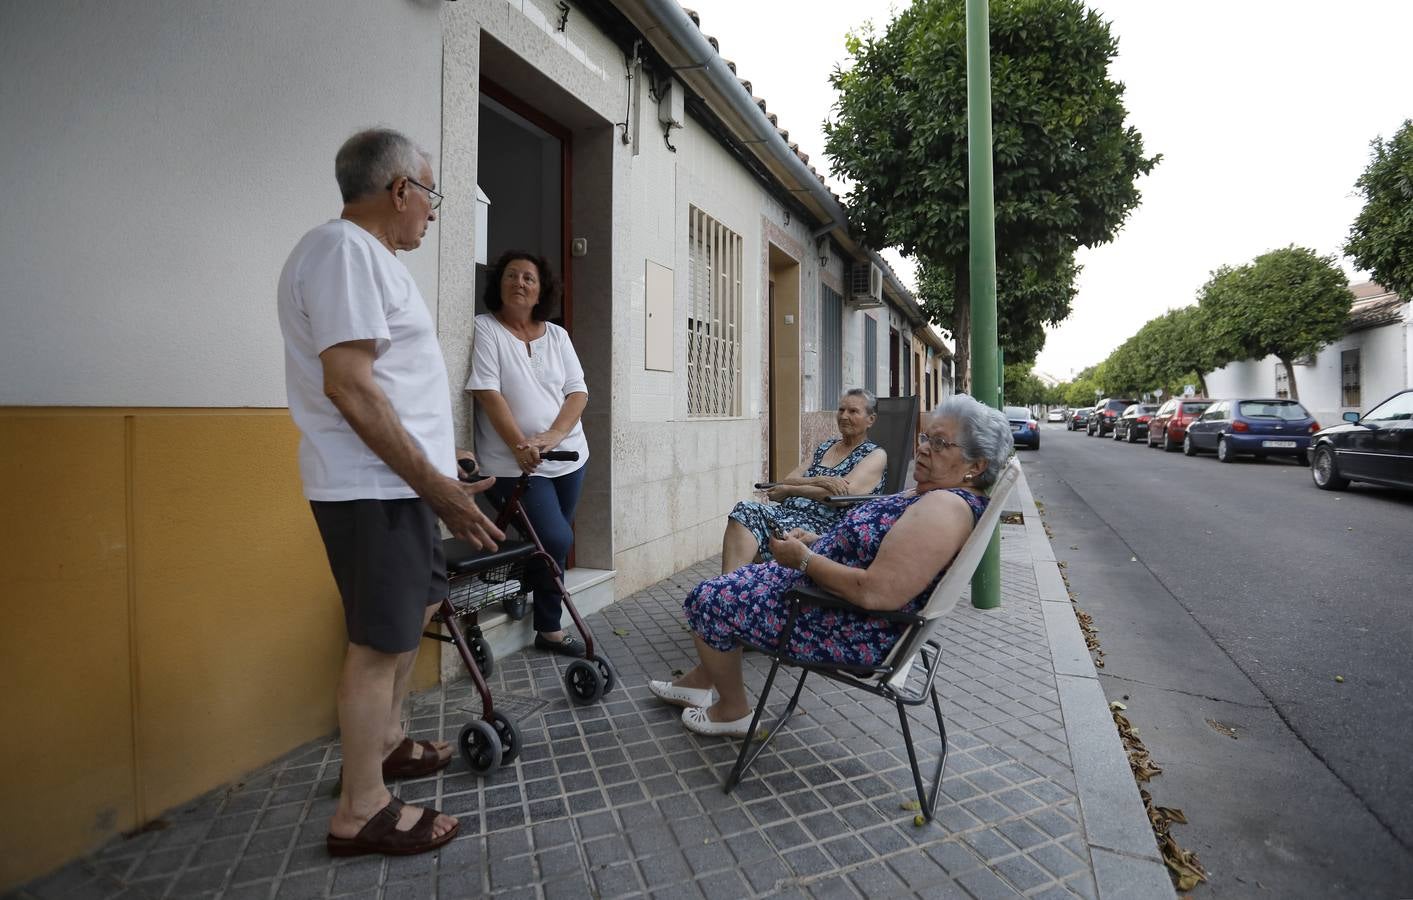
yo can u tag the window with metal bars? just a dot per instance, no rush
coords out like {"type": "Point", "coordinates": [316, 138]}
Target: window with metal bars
{"type": "Point", "coordinates": [831, 347]}
{"type": "Point", "coordinates": [1282, 382]}
{"type": "Point", "coordinates": [1349, 378]}
{"type": "Point", "coordinates": [713, 318]}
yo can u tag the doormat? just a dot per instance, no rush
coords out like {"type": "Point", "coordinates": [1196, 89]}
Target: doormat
{"type": "Point", "coordinates": [517, 707]}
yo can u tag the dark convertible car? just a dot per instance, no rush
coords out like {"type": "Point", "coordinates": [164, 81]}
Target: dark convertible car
{"type": "Point", "coordinates": [1377, 447]}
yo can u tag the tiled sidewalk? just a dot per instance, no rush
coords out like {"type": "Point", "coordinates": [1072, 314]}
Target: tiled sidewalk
{"type": "Point", "coordinates": [617, 799]}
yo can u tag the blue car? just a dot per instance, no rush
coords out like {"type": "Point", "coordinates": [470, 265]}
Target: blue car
{"type": "Point", "coordinates": [1257, 427]}
{"type": "Point", "coordinates": [1025, 428]}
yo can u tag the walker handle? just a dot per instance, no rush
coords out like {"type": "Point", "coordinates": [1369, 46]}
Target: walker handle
{"type": "Point", "coordinates": [560, 455]}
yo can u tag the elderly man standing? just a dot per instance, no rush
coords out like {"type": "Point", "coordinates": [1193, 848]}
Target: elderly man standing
{"type": "Point", "coordinates": [368, 388]}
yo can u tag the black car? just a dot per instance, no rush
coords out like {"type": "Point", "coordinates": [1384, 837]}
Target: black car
{"type": "Point", "coordinates": [1106, 413]}
{"type": "Point", "coordinates": [1079, 418]}
{"type": "Point", "coordinates": [1377, 447]}
{"type": "Point", "coordinates": [1132, 426]}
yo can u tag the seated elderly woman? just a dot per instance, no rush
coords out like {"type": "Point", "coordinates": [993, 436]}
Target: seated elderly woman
{"type": "Point", "coordinates": [848, 464]}
{"type": "Point", "coordinates": [885, 554]}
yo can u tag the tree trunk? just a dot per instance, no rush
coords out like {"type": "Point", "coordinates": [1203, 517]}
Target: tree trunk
{"type": "Point", "coordinates": [961, 327]}
{"type": "Point", "coordinates": [1202, 385]}
{"type": "Point", "coordinates": [1290, 377]}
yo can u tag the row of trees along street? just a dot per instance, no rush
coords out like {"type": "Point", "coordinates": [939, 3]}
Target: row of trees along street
{"type": "Point", "coordinates": [1066, 167]}
{"type": "Point", "coordinates": [1287, 303]}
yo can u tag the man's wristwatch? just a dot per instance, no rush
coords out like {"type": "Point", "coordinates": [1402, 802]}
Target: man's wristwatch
{"type": "Point", "coordinates": [805, 562]}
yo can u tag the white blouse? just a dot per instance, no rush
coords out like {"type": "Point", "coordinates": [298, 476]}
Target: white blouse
{"type": "Point", "coordinates": [534, 385]}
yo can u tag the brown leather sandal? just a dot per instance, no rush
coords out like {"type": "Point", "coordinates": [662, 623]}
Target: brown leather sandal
{"type": "Point", "coordinates": [402, 764]}
{"type": "Point", "coordinates": [380, 835]}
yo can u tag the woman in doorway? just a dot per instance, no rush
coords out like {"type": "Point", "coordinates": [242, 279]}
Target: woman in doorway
{"type": "Point", "coordinates": [530, 394]}
{"type": "Point", "coordinates": [848, 464]}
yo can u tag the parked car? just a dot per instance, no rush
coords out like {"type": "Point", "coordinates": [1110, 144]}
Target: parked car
{"type": "Point", "coordinates": [1259, 427]}
{"type": "Point", "coordinates": [1025, 429]}
{"type": "Point", "coordinates": [1376, 447]}
{"type": "Point", "coordinates": [1079, 418]}
{"type": "Point", "coordinates": [1133, 424]}
{"type": "Point", "coordinates": [1055, 415]}
{"type": "Point", "coordinates": [1106, 413]}
{"type": "Point", "coordinates": [1170, 422]}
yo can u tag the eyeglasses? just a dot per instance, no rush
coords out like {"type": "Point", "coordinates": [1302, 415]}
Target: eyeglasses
{"type": "Point", "coordinates": [432, 195]}
{"type": "Point", "coordinates": [936, 444]}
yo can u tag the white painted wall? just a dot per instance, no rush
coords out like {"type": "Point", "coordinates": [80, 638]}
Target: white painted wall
{"type": "Point", "coordinates": [160, 160]}
{"type": "Point", "coordinates": [1386, 367]}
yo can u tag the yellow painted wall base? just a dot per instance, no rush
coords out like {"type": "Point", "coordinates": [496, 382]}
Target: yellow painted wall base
{"type": "Point", "coordinates": [169, 618]}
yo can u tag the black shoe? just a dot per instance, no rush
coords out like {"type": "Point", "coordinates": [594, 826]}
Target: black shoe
{"type": "Point", "coordinates": [568, 646]}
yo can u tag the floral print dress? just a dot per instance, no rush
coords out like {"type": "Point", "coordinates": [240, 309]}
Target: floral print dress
{"type": "Point", "coordinates": [801, 512]}
{"type": "Point", "coordinates": [747, 603]}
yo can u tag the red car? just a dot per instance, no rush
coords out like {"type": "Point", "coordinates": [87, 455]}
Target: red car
{"type": "Point", "coordinates": [1170, 422]}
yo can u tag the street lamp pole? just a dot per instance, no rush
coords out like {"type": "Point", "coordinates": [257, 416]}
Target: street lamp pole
{"type": "Point", "coordinates": [985, 354]}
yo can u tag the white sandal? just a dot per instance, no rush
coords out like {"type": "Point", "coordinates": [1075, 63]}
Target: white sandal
{"type": "Point", "coordinates": [697, 720]}
{"type": "Point", "coordinates": [682, 696]}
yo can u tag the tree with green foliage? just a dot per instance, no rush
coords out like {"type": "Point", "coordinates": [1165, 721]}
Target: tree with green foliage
{"type": "Point", "coordinates": [1027, 300]}
{"type": "Point", "coordinates": [1022, 386]}
{"type": "Point", "coordinates": [1381, 239]}
{"type": "Point", "coordinates": [1065, 163]}
{"type": "Point", "coordinates": [1287, 303]}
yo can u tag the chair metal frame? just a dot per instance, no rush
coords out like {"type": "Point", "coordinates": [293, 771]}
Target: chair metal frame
{"type": "Point", "coordinates": [889, 679]}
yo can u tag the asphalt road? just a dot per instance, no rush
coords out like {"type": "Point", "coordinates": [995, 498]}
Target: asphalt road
{"type": "Point", "coordinates": [1227, 598]}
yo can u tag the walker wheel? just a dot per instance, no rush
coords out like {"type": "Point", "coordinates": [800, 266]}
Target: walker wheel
{"type": "Point", "coordinates": [610, 675]}
{"type": "Point", "coordinates": [509, 737]}
{"type": "Point", "coordinates": [481, 653]}
{"type": "Point", "coordinates": [480, 746]}
{"type": "Point", "coordinates": [584, 681]}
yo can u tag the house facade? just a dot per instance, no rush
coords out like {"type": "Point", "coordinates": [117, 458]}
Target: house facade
{"type": "Point", "coordinates": [1371, 361]}
{"type": "Point", "coordinates": [164, 157]}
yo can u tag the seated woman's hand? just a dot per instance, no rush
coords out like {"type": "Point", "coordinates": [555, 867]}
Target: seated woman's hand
{"type": "Point", "coordinates": [805, 537]}
{"type": "Point", "coordinates": [788, 551]}
{"type": "Point", "coordinates": [779, 492]}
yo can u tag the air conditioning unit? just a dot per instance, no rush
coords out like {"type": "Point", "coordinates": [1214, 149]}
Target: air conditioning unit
{"type": "Point", "coordinates": [865, 286]}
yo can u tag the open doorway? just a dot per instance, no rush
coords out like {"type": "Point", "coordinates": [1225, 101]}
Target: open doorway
{"type": "Point", "coordinates": [523, 168]}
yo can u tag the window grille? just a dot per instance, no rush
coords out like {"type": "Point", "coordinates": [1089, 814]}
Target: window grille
{"type": "Point", "coordinates": [831, 347]}
{"type": "Point", "coordinates": [1349, 378]}
{"type": "Point", "coordinates": [870, 354]}
{"type": "Point", "coordinates": [713, 318]}
{"type": "Point", "coordinates": [1282, 382]}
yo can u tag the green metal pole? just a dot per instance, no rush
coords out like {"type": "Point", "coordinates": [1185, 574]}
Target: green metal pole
{"type": "Point", "coordinates": [985, 353]}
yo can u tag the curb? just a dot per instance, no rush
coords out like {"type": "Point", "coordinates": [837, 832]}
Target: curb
{"type": "Point", "coordinates": [1116, 828]}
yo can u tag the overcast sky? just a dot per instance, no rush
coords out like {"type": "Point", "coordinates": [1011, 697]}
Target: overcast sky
{"type": "Point", "coordinates": [1263, 111]}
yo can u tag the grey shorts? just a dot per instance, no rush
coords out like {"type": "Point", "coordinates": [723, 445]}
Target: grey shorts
{"type": "Point", "coordinates": [386, 556]}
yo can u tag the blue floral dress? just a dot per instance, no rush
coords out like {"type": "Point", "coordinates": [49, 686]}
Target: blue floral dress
{"type": "Point", "coordinates": [801, 512]}
{"type": "Point", "coordinates": [747, 603]}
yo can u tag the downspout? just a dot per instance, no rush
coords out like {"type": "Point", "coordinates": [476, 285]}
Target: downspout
{"type": "Point", "coordinates": [675, 23]}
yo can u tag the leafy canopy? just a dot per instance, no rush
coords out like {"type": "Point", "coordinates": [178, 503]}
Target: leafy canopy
{"type": "Point", "coordinates": [1065, 163]}
{"type": "Point", "coordinates": [1286, 303]}
{"type": "Point", "coordinates": [1381, 239]}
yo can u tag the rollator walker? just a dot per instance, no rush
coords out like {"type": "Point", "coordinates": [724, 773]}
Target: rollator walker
{"type": "Point", "coordinates": [476, 580]}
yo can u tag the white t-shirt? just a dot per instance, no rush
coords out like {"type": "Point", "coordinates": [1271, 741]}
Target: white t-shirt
{"type": "Point", "coordinates": [534, 386]}
{"type": "Point", "coordinates": [341, 284]}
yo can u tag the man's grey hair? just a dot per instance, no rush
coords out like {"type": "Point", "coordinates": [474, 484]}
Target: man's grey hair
{"type": "Point", "coordinates": [374, 157]}
{"type": "Point", "coordinates": [870, 401]}
{"type": "Point", "coordinates": [983, 432]}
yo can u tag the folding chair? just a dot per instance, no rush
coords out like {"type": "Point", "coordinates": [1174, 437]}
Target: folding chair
{"type": "Point", "coordinates": [889, 679]}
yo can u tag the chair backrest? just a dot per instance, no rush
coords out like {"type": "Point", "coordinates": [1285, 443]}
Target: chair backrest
{"type": "Point", "coordinates": [958, 576]}
{"type": "Point", "coordinates": [895, 431]}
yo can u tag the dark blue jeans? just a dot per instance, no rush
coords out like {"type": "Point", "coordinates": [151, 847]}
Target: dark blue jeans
{"type": "Point", "coordinates": [550, 504]}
